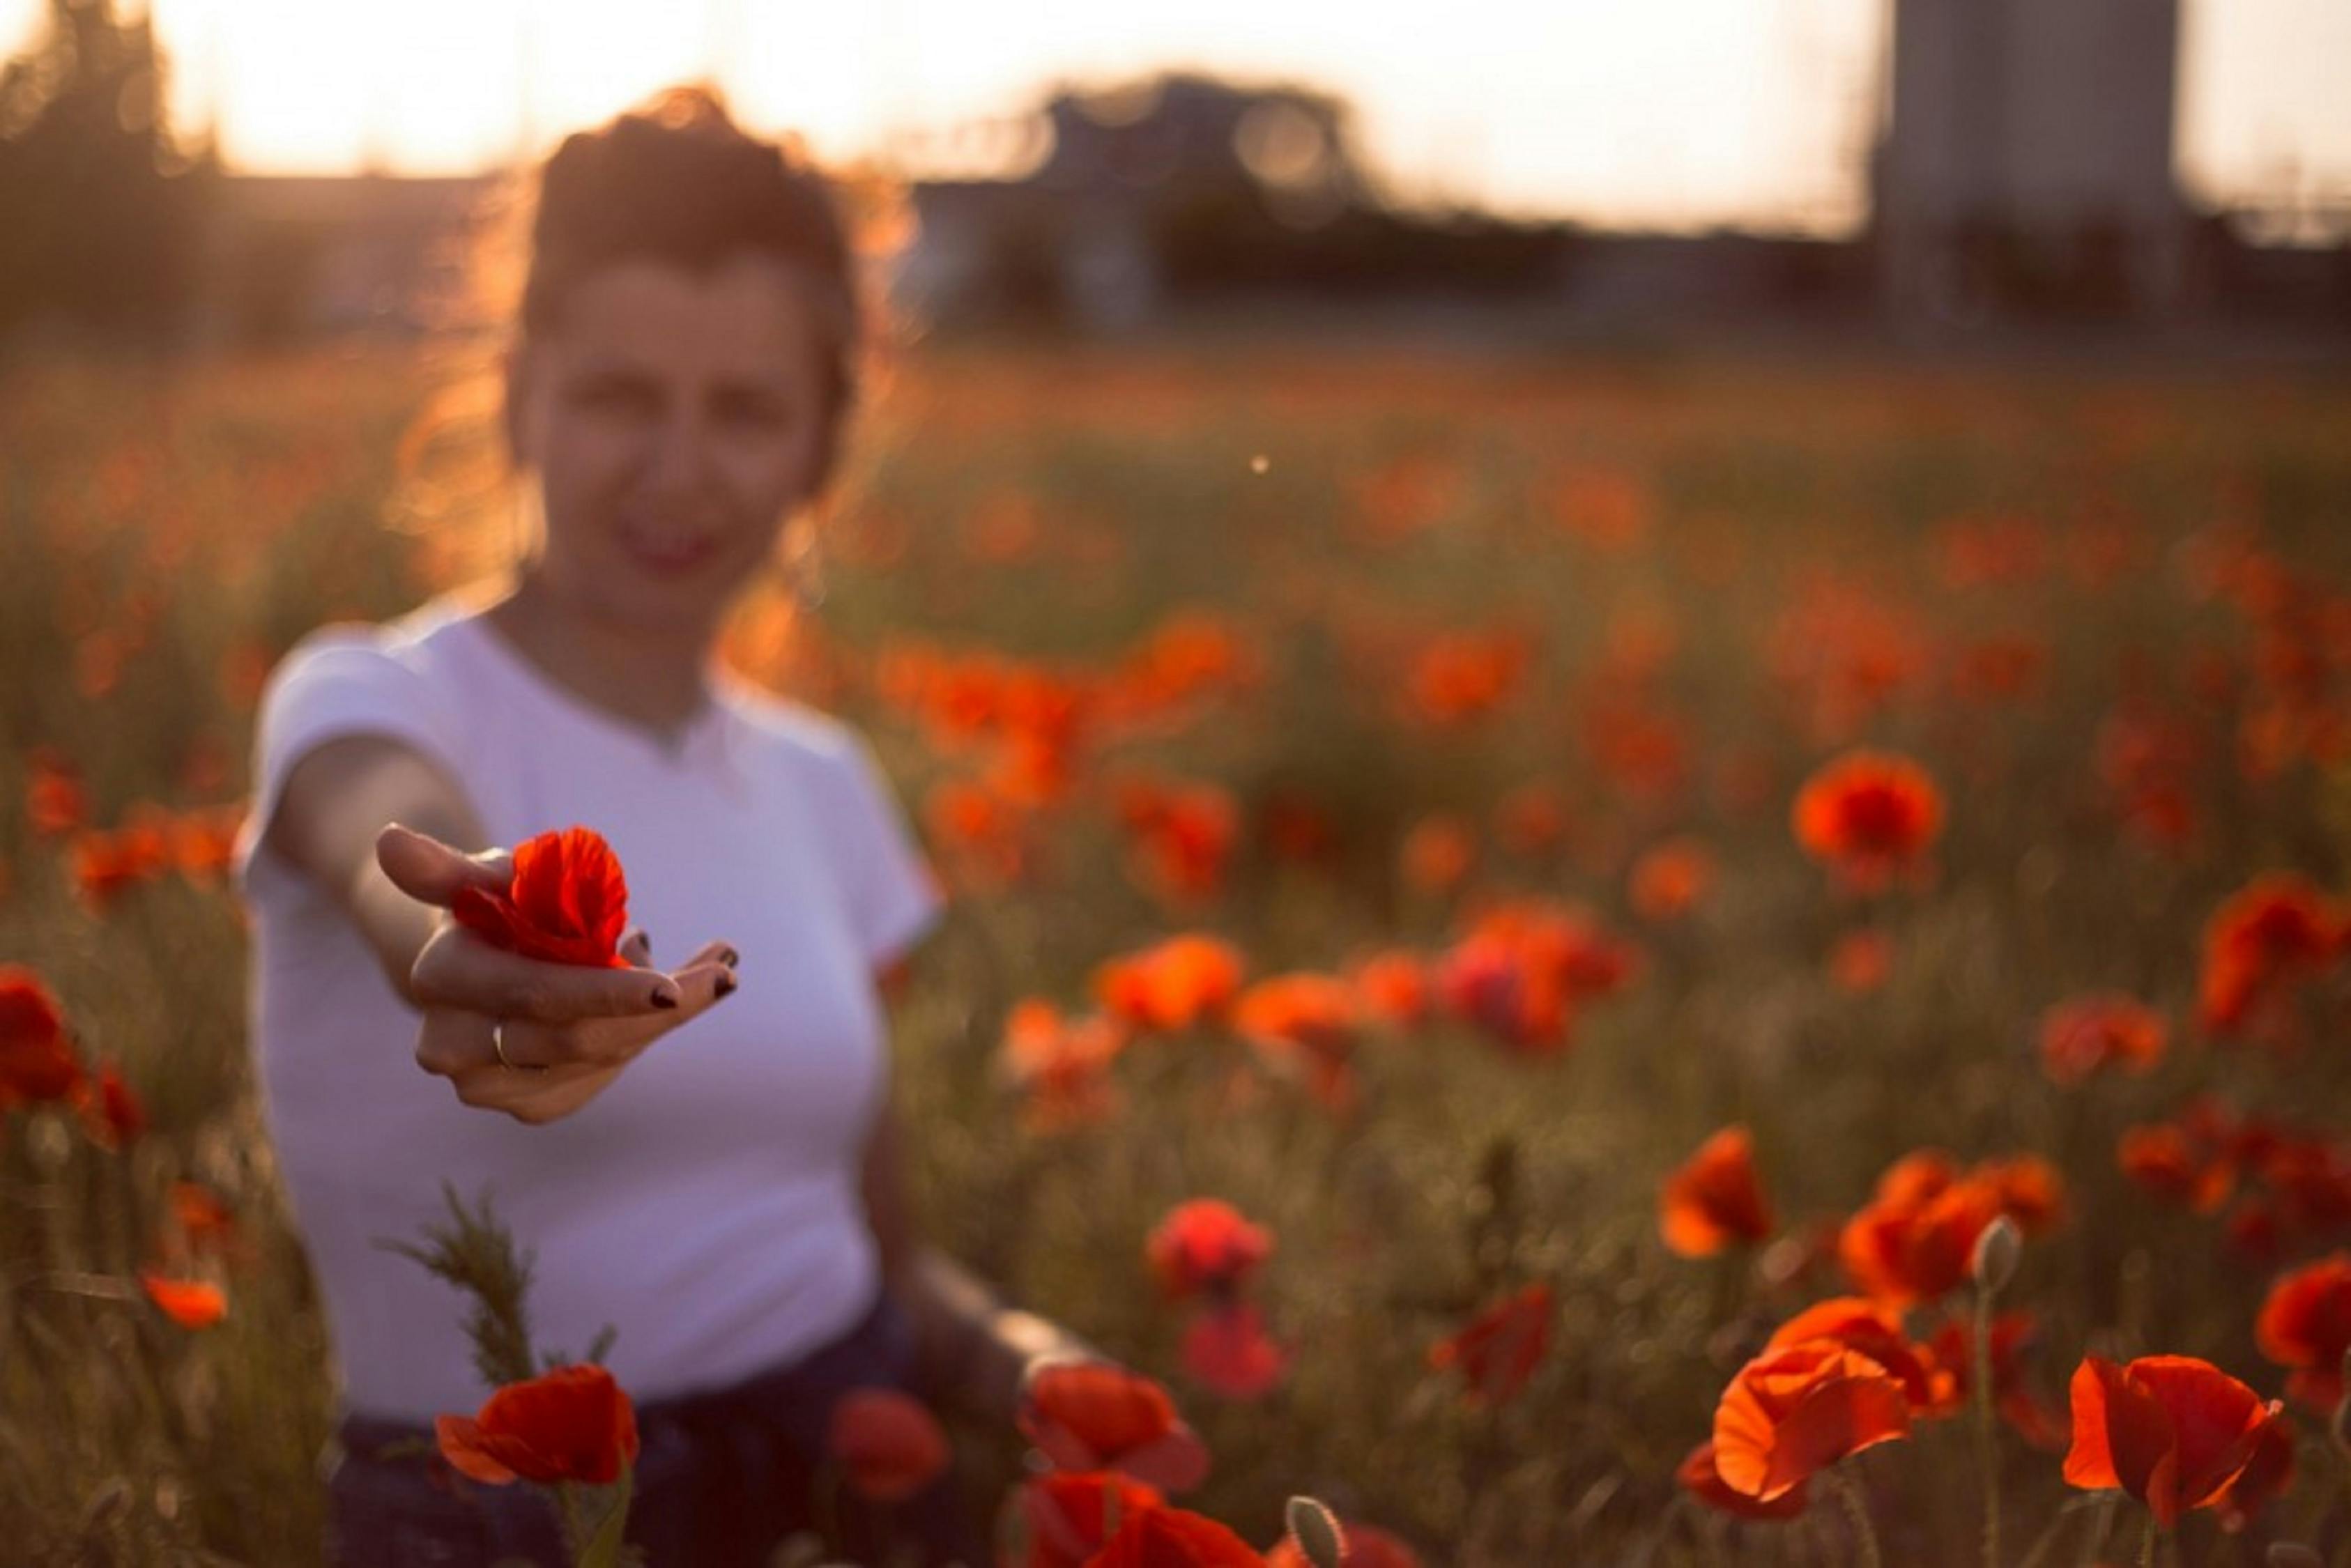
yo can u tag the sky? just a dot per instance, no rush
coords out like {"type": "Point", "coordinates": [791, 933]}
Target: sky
{"type": "Point", "coordinates": [1674, 114]}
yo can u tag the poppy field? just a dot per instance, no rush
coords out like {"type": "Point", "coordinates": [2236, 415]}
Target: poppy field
{"type": "Point", "coordinates": [1634, 960]}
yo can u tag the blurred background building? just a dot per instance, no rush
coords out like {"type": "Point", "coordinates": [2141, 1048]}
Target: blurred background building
{"type": "Point", "coordinates": [2021, 179]}
{"type": "Point", "coordinates": [2027, 160]}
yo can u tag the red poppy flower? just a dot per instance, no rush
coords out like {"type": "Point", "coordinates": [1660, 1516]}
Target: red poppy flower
{"type": "Point", "coordinates": [1174, 1538]}
{"type": "Point", "coordinates": [107, 862]}
{"type": "Point", "coordinates": [1487, 983]}
{"type": "Point", "coordinates": [568, 903]}
{"type": "Point", "coordinates": [2305, 1325]}
{"type": "Point", "coordinates": [1913, 1240]}
{"type": "Point", "coordinates": [1179, 983]}
{"type": "Point", "coordinates": [573, 1423]}
{"type": "Point", "coordinates": [1229, 1352]}
{"type": "Point", "coordinates": [36, 1063]}
{"type": "Point", "coordinates": [190, 1303]}
{"type": "Point", "coordinates": [1307, 1021]}
{"type": "Point", "coordinates": [1869, 814]}
{"type": "Point", "coordinates": [2025, 1188]}
{"type": "Point", "coordinates": [1790, 1413]}
{"type": "Point", "coordinates": [1066, 1515]}
{"type": "Point", "coordinates": [1902, 1251]}
{"type": "Point", "coordinates": [1180, 836]}
{"type": "Point", "coordinates": [2079, 1037]}
{"type": "Point", "coordinates": [2167, 1162]}
{"type": "Point", "coordinates": [1715, 1199]}
{"type": "Point", "coordinates": [2273, 933]}
{"type": "Point", "coordinates": [890, 1446]}
{"type": "Point", "coordinates": [1698, 1477]}
{"type": "Point", "coordinates": [1203, 1245]}
{"type": "Point", "coordinates": [1362, 1546]}
{"type": "Point", "coordinates": [1498, 1349]}
{"type": "Point", "coordinates": [1063, 1066]}
{"type": "Point", "coordinates": [1091, 1416]}
{"type": "Point", "coordinates": [2170, 1430]}
{"type": "Point", "coordinates": [1859, 1324]}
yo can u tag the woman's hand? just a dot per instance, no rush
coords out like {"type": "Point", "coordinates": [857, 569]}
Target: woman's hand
{"type": "Point", "coordinates": [566, 1030]}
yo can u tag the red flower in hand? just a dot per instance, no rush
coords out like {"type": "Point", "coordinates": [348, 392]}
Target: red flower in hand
{"type": "Point", "coordinates": [2171, 1430]}
{"type": "Point", "coordinates": [574, 1424]}
{"type": "Point", "coordinates": [568, 903]}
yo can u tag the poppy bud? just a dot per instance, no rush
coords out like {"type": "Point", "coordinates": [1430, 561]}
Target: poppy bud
{"type": "Point", "coordinates": [1998, 1248]}
{"type": "Point", "coordinates": [1315, 1530]}
{"type": "Point", "coordinates": [2293, 1555]}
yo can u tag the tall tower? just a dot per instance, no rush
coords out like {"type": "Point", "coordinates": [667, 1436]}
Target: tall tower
{"type": "Point", "coordinates": [2028, 161]}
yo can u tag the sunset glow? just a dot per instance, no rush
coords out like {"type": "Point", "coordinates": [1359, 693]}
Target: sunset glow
{"type": "Point", "coordinates": [1747, 111]}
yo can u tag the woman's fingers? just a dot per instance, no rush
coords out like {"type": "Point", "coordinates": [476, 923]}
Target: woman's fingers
{"type": "Point", "coordinates": [430, 872]}
{"type": "Point", "coordinates": [712, 953]}
{"type": "Point", "coordinates": [460, 1040]}
{"type": "Point", "coordinates": [637, 947]}
{"type": "Point", "coordinates": [457, 970]}
{"type": "Point", "coordinates": [703, 984]}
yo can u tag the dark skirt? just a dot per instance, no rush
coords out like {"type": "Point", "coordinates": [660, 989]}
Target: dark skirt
{"type": "Point", "coordinates": [722, 1479]}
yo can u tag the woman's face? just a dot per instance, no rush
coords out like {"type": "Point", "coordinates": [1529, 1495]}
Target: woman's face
{"type": "Point", "coordinates": [674, 420]}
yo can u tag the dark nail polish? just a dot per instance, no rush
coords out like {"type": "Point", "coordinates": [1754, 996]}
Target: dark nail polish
{"type": "Point", "coordinates": [664, 999]}
{"type": "Point", "coordinates": [724, 986]}
{"type": "Point", "coordinates": [729, 958]}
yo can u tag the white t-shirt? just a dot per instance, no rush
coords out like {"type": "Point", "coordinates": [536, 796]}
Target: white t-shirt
{"type": "Point", "coordinates": [707, 1204]}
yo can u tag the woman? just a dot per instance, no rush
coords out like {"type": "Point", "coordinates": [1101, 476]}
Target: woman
{"type": "Point", "coordinates": [699, 1152]}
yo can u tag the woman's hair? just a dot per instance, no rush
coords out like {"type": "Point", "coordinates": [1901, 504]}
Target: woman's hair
{"type": "Point", "coordinates": [677, 180]}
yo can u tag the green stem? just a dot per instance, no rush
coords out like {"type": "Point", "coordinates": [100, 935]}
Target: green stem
{"type": "Point", "coordinates": [2146, 1546]}
{"type": "Point", "coordinates": [1857, 1515]}
{"type": "Point", "coordinates": [1987, 1436]}
{"type": "Point", "coordinates": [575, 1527]}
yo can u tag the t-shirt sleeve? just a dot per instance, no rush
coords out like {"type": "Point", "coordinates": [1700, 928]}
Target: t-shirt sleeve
{"type": "Point", "coordinates": [894, 898]}
{"type": "Point", "coordinates": [335, 683]}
